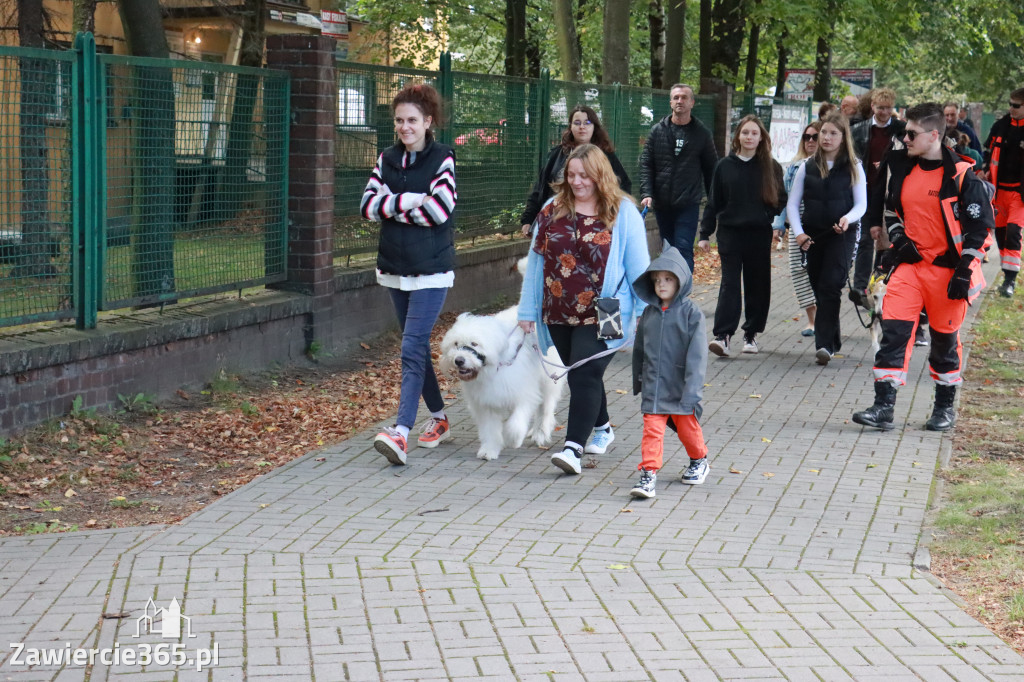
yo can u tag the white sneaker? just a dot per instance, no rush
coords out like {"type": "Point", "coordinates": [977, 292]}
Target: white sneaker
{"type": "Point", "coordinates": [568, 460]}
{"type": "Point", "coordinates": [598, 445]}
{"type": "Point", "coordinates": [750, 345]}
{"type": "Point", "coordinates": [822, 356]}
{"type": "Point", "coordinates": [720, 346]}
{"type": "Point", "coordinates": [696, 472]}
{"type": "Point", "coordinates": [644, 489]}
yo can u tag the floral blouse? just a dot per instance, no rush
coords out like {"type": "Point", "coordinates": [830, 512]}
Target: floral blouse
{"type": "Point", "coordinates": [575, 251]}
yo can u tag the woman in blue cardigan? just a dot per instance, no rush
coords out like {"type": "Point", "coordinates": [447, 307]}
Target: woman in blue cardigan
{"type": "Point", "coordinates": [588, 242]}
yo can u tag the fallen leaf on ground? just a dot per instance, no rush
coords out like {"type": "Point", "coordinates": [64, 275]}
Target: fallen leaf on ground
{"type": "Point", "coordinates": [70, 492]}
{"type": "Point", "coordinates": [365, 346]}
{"type": "Point", "coordinates": [754, 395]}
{"type": "Point", "coordinates": [625, 510]}
{"type": "Point", "coordinates": [733, 470]}
{"type": "Point", "coordinates": [814, 471]}
{"type": "Point", "coordinates": [766, 440]}
{"type": "Point", "coordinates": [767, 474]}
{"type": "Point", "coordinates": [619, 390]}
{"type": "Point", "coordinates": [618, 567]}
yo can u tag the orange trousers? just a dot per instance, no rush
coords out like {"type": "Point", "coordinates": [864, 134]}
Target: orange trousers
{"type": "Point", "coordinates": [1009, 221]}
{"type": "Point", "coordinates": [913, 288]}
{"type": "Point", "coordinates": [653, 441]}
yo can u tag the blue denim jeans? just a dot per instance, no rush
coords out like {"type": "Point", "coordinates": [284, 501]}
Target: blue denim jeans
{"type": "Point", "coordinates": [679, 227]}
{"type": "Point", "coordinates": [417, 313]}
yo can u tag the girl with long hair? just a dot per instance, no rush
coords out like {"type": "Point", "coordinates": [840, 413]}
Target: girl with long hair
{"type": "Point", "coordinates": [747, 192]}
{"type": "Point", "coordinates": [826, 203]}
{"type": "Point", "coordinates": [411, 193]}
{"type": "Point", "coordinates": [797, 266]}
{"type": "Point", "coordinates": [588, 243]}
{"type": "Point", "coordinates": [584, 128]}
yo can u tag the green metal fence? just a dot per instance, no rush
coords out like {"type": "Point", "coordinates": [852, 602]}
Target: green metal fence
{"type": "Point", "coordinates": [168, 177]}
{"type": "Point", "coordinates": [36, 230]}
{"type": "Point", "coordinates": [502, 130]}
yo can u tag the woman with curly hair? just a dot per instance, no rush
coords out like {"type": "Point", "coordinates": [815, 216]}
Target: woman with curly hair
{"type": "Point", "coordinates": [588, 242]}
{"type": "Point", "coordinates": [584, 128]}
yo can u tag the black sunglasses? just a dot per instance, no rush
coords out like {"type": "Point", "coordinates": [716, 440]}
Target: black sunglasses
{"type": "Point", "coordinates": [808, 138]}
{"type": "Point", "coordinates": [912, 134]}
{"type": "Point", "coordinates": [1016, 105]}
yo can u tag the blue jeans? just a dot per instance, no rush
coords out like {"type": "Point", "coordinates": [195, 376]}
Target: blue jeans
{"type": "Point", "coordinates": [417, 312]}
{"type": "Point", "coordinates": [679, 227]}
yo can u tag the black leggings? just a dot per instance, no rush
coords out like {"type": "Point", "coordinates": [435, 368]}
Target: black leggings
{"type": "Point", "coordinates": [828, 265]}
{"type": "Point", "coordinates": [588, 404]}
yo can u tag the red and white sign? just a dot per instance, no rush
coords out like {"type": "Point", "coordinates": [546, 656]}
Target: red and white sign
{"type": "Point", "coordinates": [335, 24]}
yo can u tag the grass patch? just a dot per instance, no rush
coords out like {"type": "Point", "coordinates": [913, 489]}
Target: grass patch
{"type": "Point", "coordinates": [979, 547]}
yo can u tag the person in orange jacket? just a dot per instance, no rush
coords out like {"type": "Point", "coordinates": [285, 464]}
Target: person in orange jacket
{"type": "Point", "coordinates": [1003, 166]}
{"type": "Point", "coordinates": [937, 214]}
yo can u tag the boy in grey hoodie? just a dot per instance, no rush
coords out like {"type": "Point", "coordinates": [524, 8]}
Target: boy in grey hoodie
{"type": "Point", "coordinates": [669, 359]}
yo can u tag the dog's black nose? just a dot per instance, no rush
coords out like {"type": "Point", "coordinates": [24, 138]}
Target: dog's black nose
{"type": "Point", "coordinates": [459, 362]}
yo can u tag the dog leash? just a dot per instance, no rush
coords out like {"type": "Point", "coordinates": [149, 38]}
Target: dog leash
{"type": "Point", "coordinates": [555, 376]}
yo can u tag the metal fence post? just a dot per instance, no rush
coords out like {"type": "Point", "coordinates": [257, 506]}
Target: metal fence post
{"type": "Point", "coordinates": [87, 182]}
{"type": "Point", "coordinates": [446, 86]}
{"type": "Point", "coordinates": [544, 118]}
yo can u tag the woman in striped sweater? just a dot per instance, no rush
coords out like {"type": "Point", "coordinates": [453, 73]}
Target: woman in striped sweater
{"type": "Point", "coordinates": [411, 193]}
{"type": "Point", "coordinates": [797, 270]}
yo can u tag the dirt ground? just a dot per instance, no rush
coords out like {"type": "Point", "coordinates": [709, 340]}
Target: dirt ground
{"type": "Point", "coordinates": [985, 585]}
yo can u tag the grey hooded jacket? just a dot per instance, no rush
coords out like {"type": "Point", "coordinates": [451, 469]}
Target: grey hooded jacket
{"type": "Point", "coordinates": [670, 352]}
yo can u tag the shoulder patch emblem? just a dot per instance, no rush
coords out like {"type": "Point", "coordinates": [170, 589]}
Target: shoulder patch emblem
{"type": "Point", "coordinates": [974, 210]}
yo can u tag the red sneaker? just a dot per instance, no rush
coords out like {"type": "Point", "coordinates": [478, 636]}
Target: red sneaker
{"type": "Point", "coordinates": [435, 431]}
{"type": "Point", "coordinates": [391, 444]}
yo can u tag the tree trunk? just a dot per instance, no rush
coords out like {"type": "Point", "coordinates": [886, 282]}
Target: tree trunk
{"type": "Point", "coordinates": [234, 182]}
{"type": "Point", "coordinates": [675, 34]}
{"type": "Point", "coordinates": [751, 78]}
{"type": "Point", "coordinates": [153, 132]}
{"type": "Point", "coordinates": [38, 85]}
{"type": "Point", "coordinates": [656, 31]}
{"type": "Point", "coordinates": [615, 67]}
{"type": "Point", "coordinates": [84, 17]}
{"type": "Point", "coordinates": [823, 70]}
{"type": "Point", "coordinates": [823, 53]}
{"type": "Point", "coordinates": [533, 50]}
{"type": "Point", "coordinates": [727, 23]}
{"type": "Point", "coordinates": [705, 39]}
{"type": "Point", "coordinates": [568, 47]}
{"type": "Point", "coordinates": [515, 37]}
{"type": "Point", "coordinates": [780, 72]}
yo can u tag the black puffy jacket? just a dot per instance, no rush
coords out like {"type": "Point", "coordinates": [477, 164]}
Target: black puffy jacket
{"type": "Point", "coordinates": [552, 172]}
{"type": "Point", "coordinates": [672, 179]}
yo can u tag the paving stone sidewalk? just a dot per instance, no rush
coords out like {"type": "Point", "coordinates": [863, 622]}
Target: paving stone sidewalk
{"type": "Point", "coordinates": [798, 559]}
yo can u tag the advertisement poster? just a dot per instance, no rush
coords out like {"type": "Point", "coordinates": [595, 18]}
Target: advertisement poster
{"type": "Point", "coordinates": [800, 82]}
{"type": "Point", "coordinates": [788, 123]}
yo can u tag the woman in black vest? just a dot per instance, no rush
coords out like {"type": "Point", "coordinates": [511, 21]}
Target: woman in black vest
{"type": "Point", "coordinates": [747, 192]}
{"type": "Point", "coordinates": [584, 128]}
{"type": "Point", "coordinates": [833, 189]}
{"type": "Point", "coordinates": [411, 193]}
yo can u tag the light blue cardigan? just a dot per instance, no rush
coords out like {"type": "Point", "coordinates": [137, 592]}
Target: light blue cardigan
{"type": "Point", "coordinates": [627, 254]}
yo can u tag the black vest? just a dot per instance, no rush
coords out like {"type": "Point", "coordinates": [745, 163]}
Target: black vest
{"type": "Point", "coordinates": [825, 200]}
{"type": "Point", "coordinates": [414, 249]}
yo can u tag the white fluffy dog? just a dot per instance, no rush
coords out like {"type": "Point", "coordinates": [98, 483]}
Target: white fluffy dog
{"type": "Point", "coordinates": [507, 391]}
{"type": "Point", "coordinates": [876, 291]}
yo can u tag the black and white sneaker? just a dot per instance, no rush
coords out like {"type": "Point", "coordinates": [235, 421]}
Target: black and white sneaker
{"type": "Point", "coordinates": [568, 460]}
{"type": "Point", "coordinates": [822, 356]}
{"type": "Point", "coordinates": [720, 346]}
{"type": "Point", "coordinates": [696, 472]}
{"type": "Point", "coordinates": [750, 345]}
{"type": "Point", "coordinates": [644, 489]}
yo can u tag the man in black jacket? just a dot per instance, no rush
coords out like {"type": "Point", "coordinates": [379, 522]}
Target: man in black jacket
{"type": "Point", "coordinates": [871, 138]}
{"type": "Point", "coordinates": [676, 166]}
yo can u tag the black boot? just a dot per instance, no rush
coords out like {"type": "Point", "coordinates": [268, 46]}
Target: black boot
{"type": "Point", "coordinates": [1009, 277]}
{"type": "Point", "coordinates": [943, 415]}
{"type": "Point", "coordinates": [880, 414]}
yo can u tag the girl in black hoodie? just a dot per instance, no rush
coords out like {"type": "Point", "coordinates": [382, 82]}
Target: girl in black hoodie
{"type": "Point", "coordinates": [747, 193]}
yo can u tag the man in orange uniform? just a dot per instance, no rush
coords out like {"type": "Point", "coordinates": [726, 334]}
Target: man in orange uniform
{"type": "Point", "coordinates": [937, 214]}
{"type": "Point", "coordinates": [1004, 167]}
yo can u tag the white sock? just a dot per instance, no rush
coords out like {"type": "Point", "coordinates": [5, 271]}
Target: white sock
{"type": "Point", "coordinates": [606, 427]}
{"type": "Point", "coordinates": [574, 446]}
{"type": "Point", "coordinates": [404, 430]}
{"type": "Point", "coordinates": [438, 415]}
